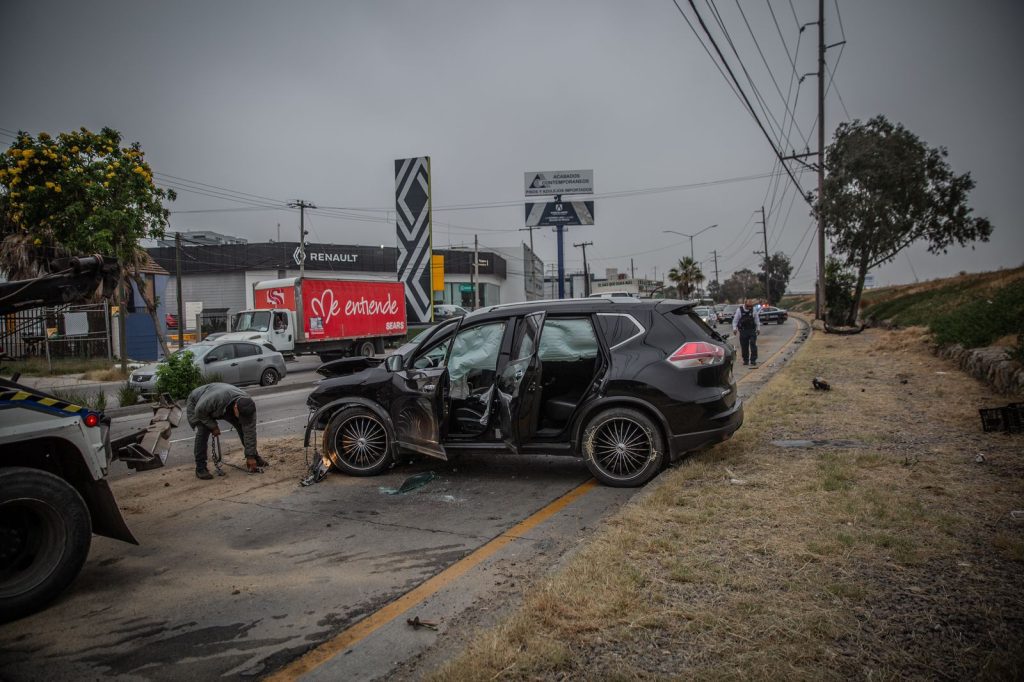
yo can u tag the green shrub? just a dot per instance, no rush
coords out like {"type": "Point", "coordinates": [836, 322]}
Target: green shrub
{"type": "Point", "coordinates": [178, 375]}
{"type": "Point", "coordinates": [127, 395]}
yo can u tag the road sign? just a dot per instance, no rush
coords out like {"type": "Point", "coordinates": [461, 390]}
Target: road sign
{"type": "Point", "coordinates": [466, 287]}
{"type": "Point", "coordinates": [564, 213]}
{"type": "Point", "coordinates": [550, 183]}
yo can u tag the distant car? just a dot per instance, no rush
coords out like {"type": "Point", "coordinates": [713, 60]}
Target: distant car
{"type": "Point", "coordinates": [447, 311]}
{"type": "Point", "coordinates": [727, 312]}
{"type": "Point", "coordinates": [171, 321]}
{"type": "Point", "coordinates": [235, 362]}
{"type": "Point", "coordinates": [769, 313]}
{"type": "Point", "coordinates": [708, 314]}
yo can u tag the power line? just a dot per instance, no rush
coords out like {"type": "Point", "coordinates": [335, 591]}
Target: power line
{"type": "Point", "coordinates": [771, 74]}
{"type": "Point", "coordinates": [750, 107]}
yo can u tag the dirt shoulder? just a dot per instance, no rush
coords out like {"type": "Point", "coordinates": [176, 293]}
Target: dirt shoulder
{"type": "Point", "coordinates": [888, 553]}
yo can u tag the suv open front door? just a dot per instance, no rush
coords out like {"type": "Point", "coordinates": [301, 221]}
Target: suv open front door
{"type": "Point", "coordinates": [420, 408]}
{"type": "Point", "coordinates": [519, 384]}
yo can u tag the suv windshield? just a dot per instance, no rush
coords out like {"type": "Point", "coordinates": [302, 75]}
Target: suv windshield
{"type": "Point", "coordinates": [252, 321]}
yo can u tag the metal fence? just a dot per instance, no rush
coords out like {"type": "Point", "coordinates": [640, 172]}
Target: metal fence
{"type": "Point", "coordinates": [61, 332]}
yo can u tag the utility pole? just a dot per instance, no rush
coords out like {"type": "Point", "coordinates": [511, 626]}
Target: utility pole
{"type": "Point", "coordinates": [302, 206]}
{"type": "Point", "coordinates": [715, 254]}
{"type": "Point", "coordinates": [476, 273]}
{"type": "Point", "coordinates": [767, 269]}
{"type": "Point", "coordinates": [632, 270]}
{"type": "Point", "coordinates": [181, 304]}
{"type": "Point", "coordinates": [586, 272]}
{"type": "Point", "coordinates": [820, 298]}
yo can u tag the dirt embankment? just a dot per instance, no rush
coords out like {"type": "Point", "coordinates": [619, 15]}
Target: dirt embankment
{"type": "Point", "coordinates": [886, 549]}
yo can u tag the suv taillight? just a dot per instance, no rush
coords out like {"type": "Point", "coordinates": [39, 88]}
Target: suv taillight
{"type": "Point", "coordinates": [697, 354]}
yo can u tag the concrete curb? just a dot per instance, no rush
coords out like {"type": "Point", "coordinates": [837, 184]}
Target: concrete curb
{"type": "Point", "coordinates": [146, 408]}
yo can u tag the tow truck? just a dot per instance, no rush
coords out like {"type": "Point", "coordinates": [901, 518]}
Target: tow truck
{"type": "Point", "coordinates": [55, 456]}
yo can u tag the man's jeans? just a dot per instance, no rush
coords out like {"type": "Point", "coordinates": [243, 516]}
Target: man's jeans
{"type": "Point", "coordinates": [748, 345]}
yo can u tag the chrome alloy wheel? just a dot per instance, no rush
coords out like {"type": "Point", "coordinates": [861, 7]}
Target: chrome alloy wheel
{"type": "Point", "coordinates": [361, 442]}
{"type": "Point", "coordinates": [621, 447]}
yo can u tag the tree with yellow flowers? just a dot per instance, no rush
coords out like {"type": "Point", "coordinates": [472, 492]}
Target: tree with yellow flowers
{"type": "Point", "coordinates": [75, 194]}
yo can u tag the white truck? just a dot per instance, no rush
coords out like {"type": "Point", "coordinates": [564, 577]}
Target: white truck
{"type": "Point", "coordinates": [326, 316]}
{"type": "Point", "coordinates": [54, 459]}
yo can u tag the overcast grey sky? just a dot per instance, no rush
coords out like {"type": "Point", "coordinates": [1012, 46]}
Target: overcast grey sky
{"type": "Point", "coordinates": [315, 100]}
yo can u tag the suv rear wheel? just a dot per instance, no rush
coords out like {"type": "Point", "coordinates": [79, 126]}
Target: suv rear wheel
{"type": "Point", "coordinates": [357, 442]}
{"type": "Point", "coordinates": [623, 448]}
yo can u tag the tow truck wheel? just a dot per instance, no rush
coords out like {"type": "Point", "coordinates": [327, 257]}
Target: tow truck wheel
{"type": "Point", "coordinates": [45, 532]}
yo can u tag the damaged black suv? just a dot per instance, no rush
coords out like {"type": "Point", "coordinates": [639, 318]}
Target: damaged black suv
{"type": "Point", "coordinates": [627, 385]}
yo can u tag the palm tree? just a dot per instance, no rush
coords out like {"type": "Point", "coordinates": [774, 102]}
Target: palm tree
{"type": "Point", "coordinates": [686, 276]}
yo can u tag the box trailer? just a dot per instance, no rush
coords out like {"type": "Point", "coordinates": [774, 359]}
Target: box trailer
{"type": "Point", "coordinates": [329, 317]}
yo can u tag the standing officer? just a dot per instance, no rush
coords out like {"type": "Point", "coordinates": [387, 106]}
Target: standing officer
{"type": "Point", "coordinates": [211, 402]}
{"type": "Point", "coordinates": [747, 324]}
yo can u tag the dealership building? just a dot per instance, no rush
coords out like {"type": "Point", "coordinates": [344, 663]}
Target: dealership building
{"type": "Point", "coordinates": [221, 276]}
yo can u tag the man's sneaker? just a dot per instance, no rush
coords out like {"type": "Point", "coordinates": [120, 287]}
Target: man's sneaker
{"type": "Point", "coordinates": [753, 363]}
{"type": "Point", "coordinates": [203, 473]}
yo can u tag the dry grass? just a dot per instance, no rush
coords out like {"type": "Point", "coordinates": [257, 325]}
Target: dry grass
{"type": "Point", "coordinates": [896, 558]}
{"type": "Point", "coordinates": [109, 374]}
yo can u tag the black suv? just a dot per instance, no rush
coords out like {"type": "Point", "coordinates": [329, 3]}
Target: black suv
{"type": "Point", "coordinates": [627, 385]}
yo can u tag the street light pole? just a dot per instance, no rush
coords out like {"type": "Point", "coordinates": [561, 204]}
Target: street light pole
{"type": "Point", "coordinates": [691, 236]}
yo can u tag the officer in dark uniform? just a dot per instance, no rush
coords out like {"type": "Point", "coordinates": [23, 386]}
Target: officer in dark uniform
{"type": "Point", "coordinates": [747, 324]}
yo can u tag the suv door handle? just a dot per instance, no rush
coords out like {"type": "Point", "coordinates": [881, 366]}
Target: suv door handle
{"type": "Point", "coordinates": [234, 364]}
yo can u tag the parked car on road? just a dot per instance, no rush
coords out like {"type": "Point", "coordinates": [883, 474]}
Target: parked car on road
{"type": "Point", "coordinates": [234, 362]}
{"type": "Point", "coordinates": [769, 313]}
{"type": "Point", "coordinates": [447, 311]}
{"type": "Point", "coordinates": [627, 385]}
{"type": "Point", "coordinates": [708, 314]}
{"type": "Point", "coordinates": [727, 312]}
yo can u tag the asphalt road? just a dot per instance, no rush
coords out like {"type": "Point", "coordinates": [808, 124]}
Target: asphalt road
{"type": "Point", "coordinates": [239, 577]}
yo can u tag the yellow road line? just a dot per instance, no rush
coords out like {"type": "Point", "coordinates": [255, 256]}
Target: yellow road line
{"type": "Point", "coordinates": [343, 640]}
{"type": "Point", "coordinates": [376, 620]}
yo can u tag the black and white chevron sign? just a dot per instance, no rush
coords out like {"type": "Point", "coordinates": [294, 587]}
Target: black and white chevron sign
{"type": "Point", "coordinates": [412, 205]}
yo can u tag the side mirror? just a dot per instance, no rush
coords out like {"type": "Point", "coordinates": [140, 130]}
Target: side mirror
{"type": "Point", "coordinates": [394, 363]}
{"type": "Point", "coordinates": [209, 359]}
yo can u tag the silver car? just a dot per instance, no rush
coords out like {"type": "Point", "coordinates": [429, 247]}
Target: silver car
{"type": "Point", "coordinates": [233, 362]}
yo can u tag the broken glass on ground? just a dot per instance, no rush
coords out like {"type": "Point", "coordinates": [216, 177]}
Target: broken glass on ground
{"type": "Point", "coordinates": [411, 483]}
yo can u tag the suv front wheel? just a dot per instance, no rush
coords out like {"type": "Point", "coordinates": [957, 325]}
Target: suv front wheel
{"type": "Point", "coordinates": [623, 448]}
{"type": "Point", "coordinates": [357, 442]}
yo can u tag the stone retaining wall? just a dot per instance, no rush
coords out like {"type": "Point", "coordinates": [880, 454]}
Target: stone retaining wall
{"type": "Point", "coordinates": [992, 365]}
